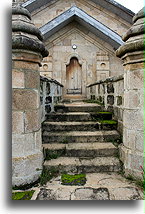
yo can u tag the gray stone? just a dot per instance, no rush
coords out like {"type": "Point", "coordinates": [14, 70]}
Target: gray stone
{"type": "Point", "coordinates": [91, 194]}
{"type": "Point", "coordinates": [45, 194]}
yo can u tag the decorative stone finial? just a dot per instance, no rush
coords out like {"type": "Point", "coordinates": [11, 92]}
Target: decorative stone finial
{"type": "Point", "coordinates": [24, 33]}
{"type": "Point", "coordinates": [137, 30]}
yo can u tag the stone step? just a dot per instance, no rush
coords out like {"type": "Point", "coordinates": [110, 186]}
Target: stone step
{"type": "Point", "coordinates": [84, 165]}
{"type": "Point", "coordinates": [81, 149]}
{"type": "Point", "coordinates": [80, 136]}
{"type": "Point", "coordinates": [71, 116]}
{"type": "Point", "coordinates": [78, 107]}
{"type": "Point", "coordinates": [79, 126]}
{"type": "Point", "coordinates": [101, 115]}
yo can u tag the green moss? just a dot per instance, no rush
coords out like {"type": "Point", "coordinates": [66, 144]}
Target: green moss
{"type": "Point", "coordinates": [109, 122]}
{"type": "Point", "coordinates": [47, 175]}
{"type": "Point", "coordinates": [22, 195]}
{"type": "Point", "coordinates": [79, 179]}
{"type": "Point", "coordinates": [64, 141]}
{"type": "Point", "coordinates": [104, 112]}
{"type": "Point", "coordinates": [140, 183]}
{"type": "Point", "coordinates": [51, 154]}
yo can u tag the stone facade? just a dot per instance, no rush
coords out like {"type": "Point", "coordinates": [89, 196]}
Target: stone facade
{"type": "Point", "coordinates": [27, 54]}
{"type": "Point", "coordinates": [96, 56]}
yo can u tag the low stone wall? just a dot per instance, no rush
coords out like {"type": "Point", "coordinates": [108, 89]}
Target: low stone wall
{"type": "Point", "coordinates": [50, 94]}
{"type": "Point", "coordinates": [109, 93]}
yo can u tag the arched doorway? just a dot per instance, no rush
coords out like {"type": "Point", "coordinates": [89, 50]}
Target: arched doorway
{"type": "Point", "coordinates": [74, 77]}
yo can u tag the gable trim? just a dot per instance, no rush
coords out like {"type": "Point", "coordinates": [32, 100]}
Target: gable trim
{"type": "Point", "coordinates": [84, 19]}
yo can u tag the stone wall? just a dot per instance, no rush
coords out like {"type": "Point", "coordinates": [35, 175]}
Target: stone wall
{"type": "Point", "coordinates": [27, 54]}
{"type": "Point", "coordinates": [132, 54]}
{"type": "Point", "coordinates": [110, 93]}
{"type": "Point", "coordinates": [97, 57]}
{"type": "Point", "coordinates": [50, 94]}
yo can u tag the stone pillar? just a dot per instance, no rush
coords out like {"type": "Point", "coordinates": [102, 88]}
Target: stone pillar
{"type": "Point", "coordinates": [27, 54]}
{"type": "Point", "coordinates": [132, 54]}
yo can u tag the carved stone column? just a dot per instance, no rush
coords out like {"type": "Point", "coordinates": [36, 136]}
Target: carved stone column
{"type": "Point", "coordinates": [132, 54]}
{"type": "Point", "coordinates": [27, 54]}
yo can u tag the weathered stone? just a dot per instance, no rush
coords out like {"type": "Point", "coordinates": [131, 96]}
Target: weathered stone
{"type": "Point", "coordinates": [131, 99]}
{"type": "Point", "coordinates": [17, 122]}
{"type": "Point", "coordinates": [84, 165]}
{"type": "Point", "coordinates": [80, 136]}
{"type": "Point", "coordinates": [32, 79]}
{"type": "Point", "coordinates": [139, 141]}
{"type": "Point", "coordinates": [18, 80]}
{"type": "Point", "coordinates": [25, 99]}
{"type": "Point", "coordinates": [135, 80]}
{"type": "Point", "coordinates": [32, 121]}
{"type": "Point", "coordinates": [23, 144]}
{"type": "Point", "coordinates": [26, 65]}
{"type": "Point", "coordinates": [133, 119]}
{"type": "Point", "coordinates": [45, 194]}
{"type": "Point", "coordinates": [91, 194]}
{"type": "Point", "coordinates": [26, 169]}
{"type": "Point", "coordinates": [130, 193]}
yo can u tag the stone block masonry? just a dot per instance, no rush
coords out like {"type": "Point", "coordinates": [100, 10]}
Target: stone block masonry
{"type": "Point", "coordinates": [27, 54]}
{"type": "Point", "coordinates": [132, 54]}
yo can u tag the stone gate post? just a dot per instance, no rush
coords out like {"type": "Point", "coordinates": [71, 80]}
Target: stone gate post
{"type": "Point", "coordinates": [132, 54]}
{"type": "Point", "coordinates": [27, 54]}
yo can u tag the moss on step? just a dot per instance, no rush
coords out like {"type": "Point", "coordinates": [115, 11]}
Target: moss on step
{"type": "Point", "coordinates": [64, 141]}
{"type": "Point", "coordinates": [97, 116]}
{"type": "Point", "coordinates": [104, 112]}
{"type": "Point", "coordinates": [48, 174]}
{"type": "Point", "coordinates": [27, 195]}
{"type": "Point", "coordinates": [53, 154]}
{"type": "Point", "coordinates": [78, 179]}
{"type": "Point", "coordinates": [109, 122]}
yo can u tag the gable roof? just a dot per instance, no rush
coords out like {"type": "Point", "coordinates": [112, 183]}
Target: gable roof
{"type": "Point", "coordinates": [84, 19]}
{"type": "Point", "coordinates": [110, 5]}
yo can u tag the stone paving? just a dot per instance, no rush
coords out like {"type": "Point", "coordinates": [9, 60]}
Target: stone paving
{"type": "Point", "coordinates": [99, 186]}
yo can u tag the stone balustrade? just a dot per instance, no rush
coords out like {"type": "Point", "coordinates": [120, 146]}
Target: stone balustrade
{"type": "Point", "coordinates": [50, 94]}
{"type": "Point", "coordinates": [110, 93]}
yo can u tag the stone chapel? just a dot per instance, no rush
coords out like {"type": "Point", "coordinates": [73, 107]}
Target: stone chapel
{"type": "Point", "coordinates": [78, 88]}
{"type": "Point", "coordinates": [82, 37]}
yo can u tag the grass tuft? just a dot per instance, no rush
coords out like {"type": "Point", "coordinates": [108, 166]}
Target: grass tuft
{"type": "Point", "coordinates": [27, 195]}
{"type": "Point", "coordinates": [78, 179]}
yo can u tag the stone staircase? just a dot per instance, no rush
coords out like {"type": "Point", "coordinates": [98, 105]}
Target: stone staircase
{"type": "Point", "coordinates": [80, 138]}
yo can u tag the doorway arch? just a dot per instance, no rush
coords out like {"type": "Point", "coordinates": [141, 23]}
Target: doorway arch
{"type": "Point", "coordinates": [74, 76]}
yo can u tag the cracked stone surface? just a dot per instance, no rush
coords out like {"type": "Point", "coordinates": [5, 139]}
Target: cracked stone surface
{"type": "Point", "coordinates": [99, 186]}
